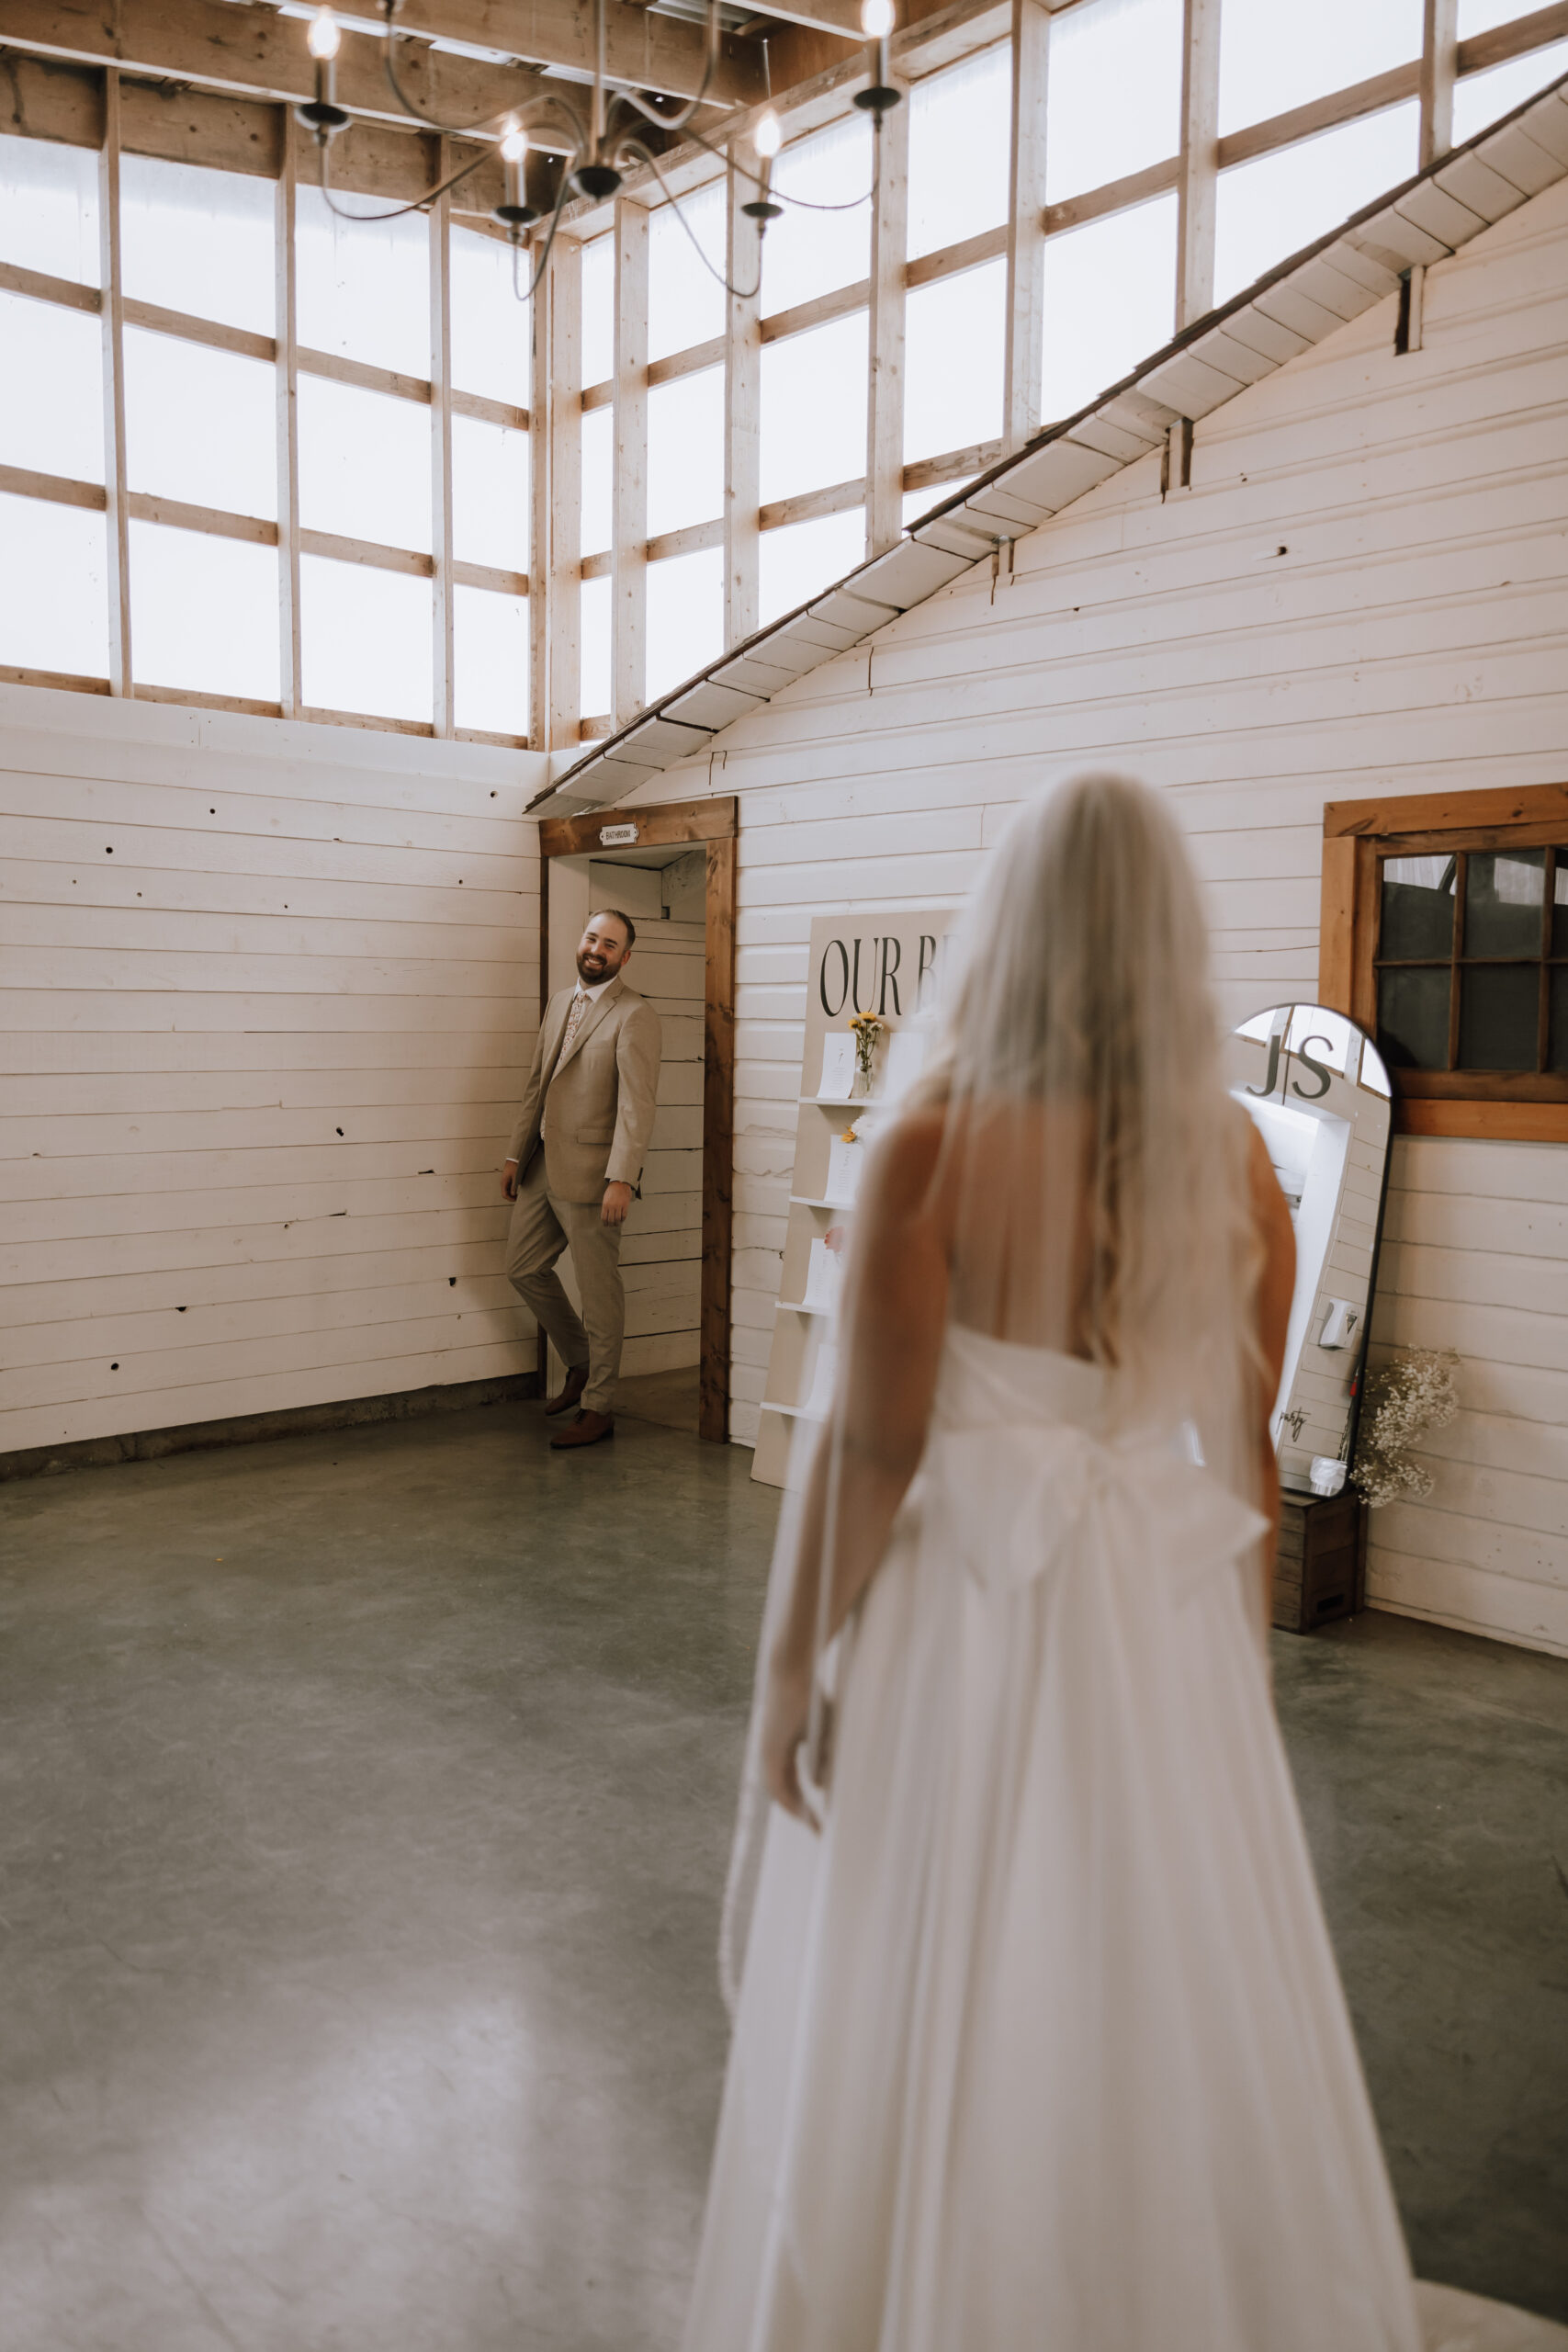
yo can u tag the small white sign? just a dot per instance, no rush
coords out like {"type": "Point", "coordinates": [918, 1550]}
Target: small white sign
{"type": "Point", "coordinates": [822, 1277]}
{"type": "Point", "coordinates": [617, 836]}
{"type": "Point", "coordinates": [845, 1161]}
{"type": "Point", "coordinates": [905, 1059]}
{"type": "Point", "coordinates": [837, 1067]}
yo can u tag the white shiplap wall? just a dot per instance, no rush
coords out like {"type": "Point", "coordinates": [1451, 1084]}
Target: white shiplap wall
{"type": "Point", "coordinates": [1366, 589]}
{"type": "Point", "coordinates": [269, 991]}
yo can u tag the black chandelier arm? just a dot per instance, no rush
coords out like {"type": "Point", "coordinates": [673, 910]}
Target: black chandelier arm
{"type": "Point", "coordinates": [450, 129]}
{"type": "Point", "coordinates": [737, 293]}
{"type": "Point", "coordinates": [779, 195]}
{"type": "Point", "coordinates": [398, 211]}
{"type": "Point", "coordinates": [547, 248]}
{"type": "Point", "coordinates": [679, 121]}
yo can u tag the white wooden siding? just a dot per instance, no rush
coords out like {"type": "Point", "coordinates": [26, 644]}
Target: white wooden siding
{"type": "Point", "coordinates": [1364, 589]}
{"type": "Point", "coordinates": [269, 994]}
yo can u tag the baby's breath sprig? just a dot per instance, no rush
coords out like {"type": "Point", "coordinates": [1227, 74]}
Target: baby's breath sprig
{"type": "Point", "coordinates": [1417, 1392]}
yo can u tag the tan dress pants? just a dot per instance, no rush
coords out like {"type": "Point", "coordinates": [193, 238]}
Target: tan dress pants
{"type": "Point", "coordinates": [542, 1227]}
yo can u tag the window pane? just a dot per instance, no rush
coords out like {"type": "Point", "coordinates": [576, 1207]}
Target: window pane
{"type": "Point", "coordinates": [491, 330]}
{"type": "Point", "coordinates": [685, 451]}
{"type": "Point", "coordinates": [598, 344]}
{"type": "Point", "coordinates": [199, 424]}
{"type": "Point", "coordinates": [1267, 65]}
{"type": "Point", "coordinates": [1412, 1017]}
{"type": "Point", "coordinates": [685, 300]}
{"type": "Point", "coordinates": [1503, 894]}
{"type": "Point", "coordinates": [53, 589]}
{"type": "Point", "coordinates": [1480, 98]}
{"type": "Point", "coordinates": [364, 464]}
{"type": "Point", "coordinates": [1560, 905]}
{"type": "Point", "coordinates": [1114, 92]}
{"type": "Point", "coordinates": [921, 502]}
{"type": "Point", "coordinates": [200, 241]}
{"type": "Point", "coordinates": [595, 513]}
{"type": "Point", "coordinates": [203, 613]}
{"type": "Point", "coordinates": [51, 390]}
{"type": "Point", "coordinates": [947, 406]}
{"type": "Point", "coordinates": [814, 403]}
{"type": "Point", "coordinates": [811, 252]}
{"type": "Point", "coordinates": [1558, 1056]}
{"type": "Point", "coordinates": [363, 284]}
{"type": "Point", "coordinates": [490, 663]}
{"type": "Point", "coordinates": [1110, 301]}
{"type": "Point", "coordinates": [685, 616]}
{"type": "Point", "coordinates": [1497, 1016]}
{"type": "Point", "coordinates": [49, 208]}
{"type": "Point", "coordinates": [1277, 204]}
{"type": "Point", "coordinates": [1418, 915]}
{"type": "Point", "coordinates": [960, 143]}
{"type": "Point", "coordinates": [801, 560]}
{"type": "Point", "coordinates": [365, 640]}
{"type": "Point", "coordinates": [490, 494]}
{"type": "Point", "coordinates": [597, 694]}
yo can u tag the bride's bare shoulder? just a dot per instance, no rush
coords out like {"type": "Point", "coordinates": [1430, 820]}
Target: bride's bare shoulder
{"type": "Point", "coordinates": [907, 1160]}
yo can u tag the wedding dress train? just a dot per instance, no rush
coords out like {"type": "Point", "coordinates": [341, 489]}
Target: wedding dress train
{"type": "Point", "coordinates": [1041, 2046]}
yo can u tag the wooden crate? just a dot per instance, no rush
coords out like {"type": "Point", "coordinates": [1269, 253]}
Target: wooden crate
{"type": "Point", "coordinates": [1320, 1567]}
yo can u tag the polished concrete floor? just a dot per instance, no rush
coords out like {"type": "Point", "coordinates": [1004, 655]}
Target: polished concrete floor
{"type": "Point", "coordinates": [367, 1802]}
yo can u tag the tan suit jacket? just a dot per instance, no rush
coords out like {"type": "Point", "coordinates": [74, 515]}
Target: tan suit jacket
{"type": "Point", "coordinates": [595, 1105]}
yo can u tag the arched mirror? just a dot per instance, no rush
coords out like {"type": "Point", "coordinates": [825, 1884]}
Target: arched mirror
{"type": "Point", "coordinates": [1316, 1086]}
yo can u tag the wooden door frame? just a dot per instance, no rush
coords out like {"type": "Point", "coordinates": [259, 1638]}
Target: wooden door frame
{"type": "Point", "coordinates": [714, 824]}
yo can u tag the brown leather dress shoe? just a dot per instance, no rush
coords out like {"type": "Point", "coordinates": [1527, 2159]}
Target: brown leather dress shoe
{"type": "Point", "coordinates": [576, 1382]}
{"type": "Point", "coordinates": [587, 1430]}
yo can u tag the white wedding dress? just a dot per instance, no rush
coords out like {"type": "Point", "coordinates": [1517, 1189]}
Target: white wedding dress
{"type": "Point", "coordinates": [1041, 2046]}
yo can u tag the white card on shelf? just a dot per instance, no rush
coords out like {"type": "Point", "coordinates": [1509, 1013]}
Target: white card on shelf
{"type": "Point", "coordinates": [837, 1067]}
{"type": "Point", "coordinates": [845, 1160]}
{"type": "Point", "coordinates": [905, 1059]}
{"type": "Point", "coordinates": [822, 1268]}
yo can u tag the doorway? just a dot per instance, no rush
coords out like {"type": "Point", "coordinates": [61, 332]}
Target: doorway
{"type": "Point", "coordinates": [672, 870]}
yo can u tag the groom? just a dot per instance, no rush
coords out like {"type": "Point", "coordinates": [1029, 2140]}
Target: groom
{"type": "Point", "coordinates": [576, 1156]}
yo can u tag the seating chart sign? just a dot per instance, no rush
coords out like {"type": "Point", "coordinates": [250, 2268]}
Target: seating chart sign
{"type": "Point", "coordinates": [873, 984]}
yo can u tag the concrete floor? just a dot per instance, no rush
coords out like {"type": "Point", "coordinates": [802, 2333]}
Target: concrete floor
{"type": "Point", "coordinates": [368, 1797]}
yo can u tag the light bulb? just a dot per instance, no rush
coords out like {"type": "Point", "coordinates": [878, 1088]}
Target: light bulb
{"type": "Point", "coordinates": [324, 38]}
{"type": "Point", "coordinates": [768, 135]}
{"type": "Point", "coordinates": [515, 146]}
{"type": "Point", "coordinates": [876, 19]}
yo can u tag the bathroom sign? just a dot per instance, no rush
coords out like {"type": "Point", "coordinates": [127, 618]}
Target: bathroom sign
{"type": "Point", "coordinates": [617, 836]}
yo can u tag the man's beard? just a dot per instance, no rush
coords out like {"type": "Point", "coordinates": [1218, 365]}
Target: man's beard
{"type": "Point", "coordinates": [592, 970]}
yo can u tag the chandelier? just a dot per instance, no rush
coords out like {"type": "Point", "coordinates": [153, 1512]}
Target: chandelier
{"type": "Point", "coordinates": [598, 147]}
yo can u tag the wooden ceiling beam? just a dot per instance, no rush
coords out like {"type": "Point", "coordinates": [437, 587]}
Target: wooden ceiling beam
{"type": "Point", "coordinates": [225, 46]}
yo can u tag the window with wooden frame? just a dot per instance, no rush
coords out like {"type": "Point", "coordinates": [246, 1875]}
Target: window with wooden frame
{"type": "Point", "coordinates": [1445, 933]}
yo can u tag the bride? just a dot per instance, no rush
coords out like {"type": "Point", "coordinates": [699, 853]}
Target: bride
{"type": "Point", "coordinates": [1038, 2037]}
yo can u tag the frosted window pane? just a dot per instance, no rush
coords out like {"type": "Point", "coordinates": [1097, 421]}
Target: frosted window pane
{"type": "Point", "coordinates": [814, 408]}
{"type": "Point", "coordinates": [490, 494]}
{"type": "Point", "coordinates": [199, 424]}
{"type": "Point", "coordinates": [685, 451]}
{"type": "Point", "coordinates": [685, 616]}
{"type": "Point", "coordinates": [51, 390]}
{"type": "Point", "coordinates": [598, 311]}
{"type": "Point", "coordinates": [1110, 301]}
{"type": "Point", "coordinates": [49, 208]}
{"type": "Point", "coordinates": [598, 479]}
{"type": "Point", "coordinates": [364, 464]}
{"type": "Point", "coordinates": [1480, 98]}
{"type": "Point", "coordinates": [1479, 15]}
{"type": "Point", "coordinates": [203, 613]}
{"type": "Point", "coordinates": [686, 302]}
{"type": "Point", "coordinates": [1272, 58]}
{"type": "Point", "coordinates": [948, 406]}
{"type": "Point", "coordinates": [810, 253]}
{"type": "Point", "coordinates": [960, 140]}
{"type": "Point", "coordinates": [1114, 92]}
{"type": "Point", "coordinates": [921, 502]}
{"type": "Point", "coordinates": [53, 589]}
{"type": "Point", "coordinates": [365, 640]}
{"type": "Point", "coordinates": [1272, 206]}
{"type": "Point", "coordinates": [491, 333]}
{"type": "Point", "coordinates": [199, 241]}
{"type": "Point", "coordinates": [594, 652]}
{"type": "Point", "coordinates": [801, 560]}
{"type": "Point", "coordinates": [489, 636]}
{"type": "Point", "coordinates": [363, 284]}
